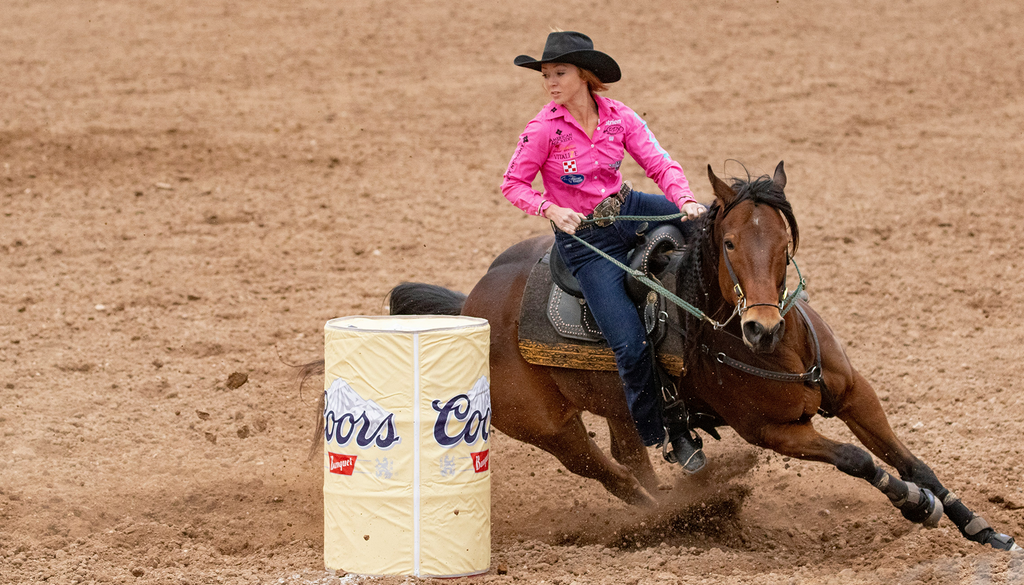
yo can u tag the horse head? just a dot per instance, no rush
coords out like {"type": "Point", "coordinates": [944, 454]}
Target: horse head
{"type": "Point", "coordinates": [752, 232]}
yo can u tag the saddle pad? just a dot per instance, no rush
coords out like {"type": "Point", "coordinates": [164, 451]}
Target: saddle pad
{"type": "Point", "coordinates": [541, 344]}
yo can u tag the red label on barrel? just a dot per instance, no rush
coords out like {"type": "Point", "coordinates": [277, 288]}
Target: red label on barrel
{"type": "Point", "coordinates": [341, 464]}
{"type": "Point", "coordinates": [481, 461]}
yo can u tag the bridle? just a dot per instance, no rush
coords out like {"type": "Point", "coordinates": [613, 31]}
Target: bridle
{"type": "Point", "coordinates": [785, 301]}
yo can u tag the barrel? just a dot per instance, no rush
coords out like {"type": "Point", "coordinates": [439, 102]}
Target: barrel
{"type": "Point", "coordinates": [407, 415]}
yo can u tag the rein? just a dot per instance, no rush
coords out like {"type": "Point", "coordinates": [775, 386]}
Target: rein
{"type": "Point", "coordinates": [639, 274]}
{"type": "Point", "coordinates": [785, 302]}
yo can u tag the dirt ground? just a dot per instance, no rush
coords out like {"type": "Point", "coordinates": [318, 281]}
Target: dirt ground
{"type": "Point", "coordinates": [192, 189]}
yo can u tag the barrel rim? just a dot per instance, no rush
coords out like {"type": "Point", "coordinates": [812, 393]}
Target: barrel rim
{"type": "Point", "coordinates": [337, 324]}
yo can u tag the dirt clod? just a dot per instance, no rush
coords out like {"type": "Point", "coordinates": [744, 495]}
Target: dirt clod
{"type": "Point", "coordinates": [236, 380]}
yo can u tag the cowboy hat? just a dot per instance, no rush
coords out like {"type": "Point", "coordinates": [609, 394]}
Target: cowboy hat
{"type": "Point", "coordinates": [576, 49]}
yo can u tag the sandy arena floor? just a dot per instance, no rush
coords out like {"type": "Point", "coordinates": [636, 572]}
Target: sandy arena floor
{"type": "Point", "coordinates": [191, 189]}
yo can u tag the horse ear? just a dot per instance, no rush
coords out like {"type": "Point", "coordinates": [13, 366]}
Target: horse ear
{"type": "Point", "coordinates": [722, 190]}
{"type": "Point", "coordinates": [780, 177]}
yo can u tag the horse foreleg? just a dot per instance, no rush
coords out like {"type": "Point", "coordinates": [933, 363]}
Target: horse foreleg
{"type": "Point", "coordinates": [863, 414]}
{"type": "Point", "coordinates": [802, 441]}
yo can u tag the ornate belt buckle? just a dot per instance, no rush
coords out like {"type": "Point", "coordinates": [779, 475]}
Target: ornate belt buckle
{"type": "Point", "coordinates": [606, 210]}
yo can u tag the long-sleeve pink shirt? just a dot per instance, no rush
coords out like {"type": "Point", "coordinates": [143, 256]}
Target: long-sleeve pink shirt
{"type": "Point", "coordinates": [579, 171]}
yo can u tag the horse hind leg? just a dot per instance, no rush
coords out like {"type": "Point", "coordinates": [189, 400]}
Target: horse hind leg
{"type": "Point", "coordinates": [529, 407]}
{"type": "Point", "coordinates": [627, 448]}
{"type": "Point", "coordinates": [863, 414]}
{"type": "Point", "coordinates": [577, 451]}
{"type": "Point", "coordinates": [802, 441]}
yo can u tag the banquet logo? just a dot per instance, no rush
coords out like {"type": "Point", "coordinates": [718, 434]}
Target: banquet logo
{"type": "Point", "coordinates": [349, 417]}
{"type": "Point", "coordinates": [481, 461]}
{"type": "Point", "coordinates": [465, 418]}
{"type": "Point", "coordinates": [341, 464]}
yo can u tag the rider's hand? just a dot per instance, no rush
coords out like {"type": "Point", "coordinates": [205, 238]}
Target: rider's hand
{"type": "Point", "coordinates": [564, 218]}
{"type": "Point", "coordinates": [693, 210]}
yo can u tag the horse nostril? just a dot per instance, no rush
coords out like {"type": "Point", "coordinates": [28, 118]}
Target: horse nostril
{"type": "Point", "coordinates": [753, 331]}
{"type": "Point", "coordinates": [778, 331]}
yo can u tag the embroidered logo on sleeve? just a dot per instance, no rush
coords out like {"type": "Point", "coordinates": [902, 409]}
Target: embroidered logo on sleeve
{"type": "Point", "coordinates": [569, 166]}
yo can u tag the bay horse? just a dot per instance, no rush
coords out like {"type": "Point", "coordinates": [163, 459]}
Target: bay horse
{"type": "Point", "coordinates": [766, 373]}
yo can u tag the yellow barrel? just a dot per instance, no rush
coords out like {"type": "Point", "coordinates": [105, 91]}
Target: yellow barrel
{"type": "Point", "coordinates": [407, 483]}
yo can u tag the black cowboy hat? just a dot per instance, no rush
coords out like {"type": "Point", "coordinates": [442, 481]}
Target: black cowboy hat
{"type": "Point", "coordinates": [576, 49]}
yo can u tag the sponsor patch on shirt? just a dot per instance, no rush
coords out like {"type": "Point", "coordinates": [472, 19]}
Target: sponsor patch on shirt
{"type": "Point", "coordinates": [562, 138]}
{"type": "Point", "coordinates": [615, 165]}
{"type": "Point", "coordinates": [568, 166]}
{"type": "Point", "coordinates": [614, 129]}
{"type": "Point", "coordinates": [574, 179]}
{"type": "Point", "coordinates": [563, 155]}
{"type": "Point", "coordinates": [564, 152]}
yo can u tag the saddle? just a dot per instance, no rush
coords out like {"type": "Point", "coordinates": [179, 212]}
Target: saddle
{"type": "Point", "coordinates": [556, 327]}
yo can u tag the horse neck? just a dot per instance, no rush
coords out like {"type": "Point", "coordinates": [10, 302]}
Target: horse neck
{"type": "Point", "coordinates": [714, 304]}
{"type": "Point", "coordinates": [698, 285]}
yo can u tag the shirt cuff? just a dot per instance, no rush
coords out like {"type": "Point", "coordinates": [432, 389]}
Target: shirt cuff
{"type": "Point", "coordinates": [684, 198]}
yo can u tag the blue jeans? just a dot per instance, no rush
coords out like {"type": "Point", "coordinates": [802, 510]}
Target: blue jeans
{"type": "Point", "coordinates": [604, 288]}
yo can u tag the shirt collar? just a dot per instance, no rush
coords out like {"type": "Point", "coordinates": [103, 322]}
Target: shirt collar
{"type": "Point", "coordinates": [553, 110]}
{"type": "Point", "coordinates": [606, 109]}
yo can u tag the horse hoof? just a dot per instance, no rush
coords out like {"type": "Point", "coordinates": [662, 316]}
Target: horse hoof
{"type": "Point", "coordinates": [642, 499]}
{"type": "Point", "coordinates": [1002, 542]}
{"type": "Point", "coordinates": [922, 507]}
{"type": "Point", "coordinates": [936, 514]}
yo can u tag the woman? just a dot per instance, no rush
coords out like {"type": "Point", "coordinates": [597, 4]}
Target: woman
{"type": "Point", "coordinates": [576, 143]}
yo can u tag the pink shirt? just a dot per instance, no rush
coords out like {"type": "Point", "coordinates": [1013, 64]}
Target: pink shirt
{"type": "Point", "coordinates": [579, 171]}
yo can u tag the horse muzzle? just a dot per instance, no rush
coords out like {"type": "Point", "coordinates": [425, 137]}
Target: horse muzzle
{"type": "Point", "coordinates": [760, 337]}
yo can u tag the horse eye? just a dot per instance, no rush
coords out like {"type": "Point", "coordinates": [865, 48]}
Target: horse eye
{"type": "Point", "coordinates": [729, 245]}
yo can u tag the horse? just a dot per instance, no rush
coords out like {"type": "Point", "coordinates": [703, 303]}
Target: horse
{"type": "Point", "coordinates": [751, 364]}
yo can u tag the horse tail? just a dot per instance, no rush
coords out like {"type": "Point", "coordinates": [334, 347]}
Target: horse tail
{"type": "Point", "coordinates": [416, 298]}
{"type": "Point", "coordinates": [408, 298]}
{"type": "Point", "coordinates": [307, 371]}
